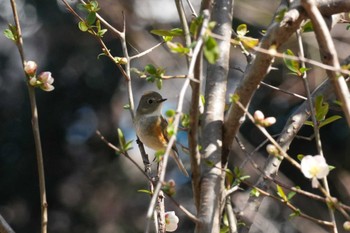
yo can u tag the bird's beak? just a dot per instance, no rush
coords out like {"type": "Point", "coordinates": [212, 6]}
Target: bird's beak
{"type": "Point", "coordinates": [161, 100]}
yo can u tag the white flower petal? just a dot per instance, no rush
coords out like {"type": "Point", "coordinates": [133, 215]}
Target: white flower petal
{"type": "Point", "coordinates": [171, 221]}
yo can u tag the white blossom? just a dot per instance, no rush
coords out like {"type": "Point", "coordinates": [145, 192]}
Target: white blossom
{"type": "Point", "coordinates": [314, 167]}
{"type": "Point", "coordinates": [171, 221]}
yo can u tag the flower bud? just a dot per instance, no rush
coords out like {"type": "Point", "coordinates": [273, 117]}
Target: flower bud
{"type": "Point", "coordinates": [272, 150]}
{"type": "Point", "coordinates": [269, 121]}
{"type": "Point", "coordinates": [33, 81]}
{"type": "Point", "coordinates": [45, 77]}
{"type": "Point", "coordinates": [46, 81]}
{"type": "Point", "coordinates": [258, 116]}
{"type": "Point", "coordinates": [30, 68]}
{"type": "Point", "coordinates": [346, 225]}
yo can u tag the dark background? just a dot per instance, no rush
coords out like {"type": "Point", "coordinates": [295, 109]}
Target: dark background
{"type": "Point", "coordinates": [89, 187]}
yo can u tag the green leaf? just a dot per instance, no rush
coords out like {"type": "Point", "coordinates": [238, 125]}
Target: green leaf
{"type": "Point", "coordinates": [310, 123]}
{"type": "Point", "coordinates": [173, 32]}
{"type": "Point", "coordinates": [94, 6]}
{"type": "Point", "coordinates": [330, 167]}
{"type": "Point", "coordinates": [280, 15]}
{"type": "Point", "coordinates": [281, 193]}
{"type": "Point", "coordinates": [144, 191]}
{"type": "Point", "coordinates": [209, 163]}
{"type": "Point", "coordinates": [329, 120]}
{"type": "Point", "coordinates": [101, 32]}
{"type": "Point", "coordinates": [82, 26]}
{"type": "Point", "coordinates": [300, 157]}
{"type": "Point", "coordinates": [121, 138]}
{"type": "Point", "coordinates": [177, 48]}
{"type": "Point", "coordinates": [307, 27]}
{"type": "Point", "coordinates": [291, 195]}
{"type": "Point", "coordinates": [292, 65]}
{"type": "Point", "coordinates": [296, 213]}
{"type": "Point", "coordinates": [195, 24]}
{"type": "Point", "coordinates": [242, 30]}
{"type": "Point", "coordinates": [254, 192]}
{"type": "Point", "coordinates": [224, 229]}
{"type": "Point", "coordinates": [9, 35]}
{"type": "Point", "coordinates": [229, 176]}
{"type": "Point", "coordinates": [126, 106]}
{"type": "Point", "coordinates": [159, 155]}
{"type": "Point", "coordinates": [150, 69]}
{"type": "Point", "coordinates": [128, 145]}
{"type": "Point", "coordinates": [159, 83]}
{"type": "Point", "coordinates": [185, 120]}
{"type": "Point", "coordinates": [91, 18]}
{"type": "Point", "coordinates": [303, 69]}
{"type": "Point", "coordinates": [170, 113]}
{"type": "Point", "coordinates": [321, 108]}
{"type": "Point", "coordinates": [234, 98]}
{"type": "Point", "coordinates": [168, 38]}
{"type": "Point", "coordinates": [211, 50]}
{"type": "Point", "coordinates": [249, 42]}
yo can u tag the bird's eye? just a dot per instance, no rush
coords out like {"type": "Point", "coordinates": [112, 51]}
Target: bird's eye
{"type": "Point", "coordinates": [150, 101]}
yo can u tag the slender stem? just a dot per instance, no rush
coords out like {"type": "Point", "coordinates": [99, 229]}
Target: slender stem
{"type": "Point", "coordinates": [35, 127]}
{"type": "Point", "coordinates": [177, 119]}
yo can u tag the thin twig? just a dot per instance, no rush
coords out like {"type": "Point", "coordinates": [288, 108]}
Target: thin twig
{"type": "Point", "coordinates": [119, 151]}
{"type": "Point", "coordinates": [290, 206]}
{"type": "Point", "coordinates": [283, 91]}
{"type": "Point", "coordinates": [35, 126]}
{"type": "Point", "coordinates": [184, 210]}
{"type": "Point", "coordinates": [146, 51]}
{"type": "Point", "coordinates": [329, 55]}
{"type": "Point", "coordinates": [177, 119]}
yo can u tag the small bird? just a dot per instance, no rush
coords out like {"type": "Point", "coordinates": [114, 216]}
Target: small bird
{"type": "Point", "coordinates": [151, 127]}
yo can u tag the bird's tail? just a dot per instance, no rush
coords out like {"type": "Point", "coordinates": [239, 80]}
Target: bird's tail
{"type": "Point", "coordinates": [179, 163]}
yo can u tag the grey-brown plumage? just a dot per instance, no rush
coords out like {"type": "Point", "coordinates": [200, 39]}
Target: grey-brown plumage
{"type": "Point", "coordinates": [151, 127]}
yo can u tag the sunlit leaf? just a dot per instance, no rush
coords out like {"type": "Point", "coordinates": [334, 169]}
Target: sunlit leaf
{"type": "Point", "coordinates": [281, 193]}
{"type": "Point", "coordinates": [254, 192]}
{"type": "Point", "coordinates": [307, 27]}
{"type": "Point", "coordinates": [82, 26]}
{"type": "Point", "coordinates": [291, 195]}
{"type": "Point", "coordinates": [121, 138]}
{"type": "Point", "coordinates": [144, 191]}
{"type": "Point", "coordinates": [249, 42]}
{"type": "Point", "coordinates": [296, 213]}
{"type": "Point", "coordinates": [159, 83]}
{"type": "Point", "coordinates": [292, 65]}
{"type": "Point", "coordinates": [211, 50]}
{"type": "Point", "coordinates": [177, 48]}
{"type": "Point", "coordinates": [300, 157]}
{"type": "Point", "coordinates": [170, 113]}
{"type": "Point", "coordinates": [280, 15]}
{"type": "Point", "coordinates": [173, 32]}
{"type": "Point", "coordinates": [242, 30]}
{"type": "Point", "coordinates": [329, 120]}
{"type": "Point", "coordinates": [9, 35]}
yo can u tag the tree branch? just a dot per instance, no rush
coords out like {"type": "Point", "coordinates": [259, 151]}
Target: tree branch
{"type": "Point", "coordinates": [212, 182]}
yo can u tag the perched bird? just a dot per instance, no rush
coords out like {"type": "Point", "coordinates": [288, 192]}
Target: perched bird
{"type": "Point", "coordinates": [151, 127]}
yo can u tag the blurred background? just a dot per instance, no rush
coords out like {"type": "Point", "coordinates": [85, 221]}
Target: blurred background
{"type": "Point", "coordinates": [89, 187]}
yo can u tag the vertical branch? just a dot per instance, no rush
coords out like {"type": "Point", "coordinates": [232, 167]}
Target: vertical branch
{"type": "Point", "coordinates": [308, 94]}
{"type": "Point", "coordinates": [329, 55]}
{"type": "Point", "coordinates": [194, 110]}
{"type": "Point", "coordinates": [212, 180]}
{"type": "Point", "coordinates": [35, 127]}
